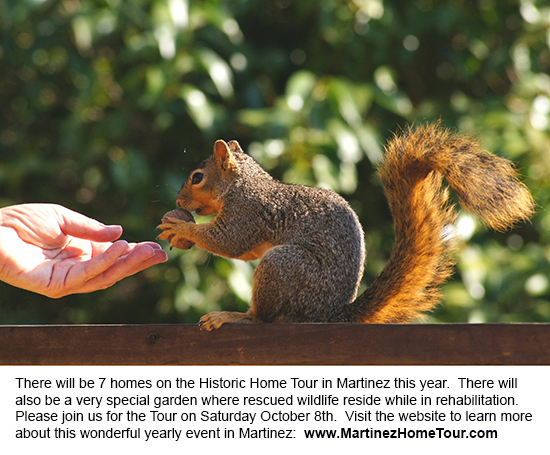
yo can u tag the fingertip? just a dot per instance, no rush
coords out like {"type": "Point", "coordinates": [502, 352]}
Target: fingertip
{"type": "Point", "coordinates": [153, 245]}
{"type": "Point", "coordinates": [116, 227]}
{"type": "Point", "coordinates": [120, 247]}
{"type": "Point", "coordinates": [148, 250]}
{"type": "Point", "coordinates": [143, 251]}
{"type": "Point", "coordinates": [151, 251]}
{"type": "Point", "coordinates": [81, 226]}
{"type": "Point", "coordinates": [114, 231]}
{"type": "Point", "coordinates": [156, 246]}
{"type": "Point", "coordinates": [159, 254]}
{"type": "Point", "coordinates": [162, 255]}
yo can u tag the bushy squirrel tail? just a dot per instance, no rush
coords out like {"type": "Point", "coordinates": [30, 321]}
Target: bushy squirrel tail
{"type": "Point", "coordinates": [412, 171]}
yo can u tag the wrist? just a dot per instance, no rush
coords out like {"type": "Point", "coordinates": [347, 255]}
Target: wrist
{"type": "Point", "coordinates": [4, 259]}
{"type": "Point", "coordinates": [8, 254]}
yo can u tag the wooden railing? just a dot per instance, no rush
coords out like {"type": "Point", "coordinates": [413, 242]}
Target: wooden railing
{"type": "Point", "coordinates": [277, 344]}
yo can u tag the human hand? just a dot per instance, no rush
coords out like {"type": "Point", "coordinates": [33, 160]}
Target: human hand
{"type": "Point", "coordinates": [51, 250]}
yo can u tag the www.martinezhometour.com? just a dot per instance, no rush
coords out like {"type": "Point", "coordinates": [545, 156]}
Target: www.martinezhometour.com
{"type": "Point", "coordinates": [400, 433]}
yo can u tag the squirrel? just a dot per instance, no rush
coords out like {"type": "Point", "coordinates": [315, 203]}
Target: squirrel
{"type": "Point", "coordinates": [311, 243]}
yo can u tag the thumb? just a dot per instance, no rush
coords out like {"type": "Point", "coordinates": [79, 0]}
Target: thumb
{"type": "Point", "coordinates": [78, 225]}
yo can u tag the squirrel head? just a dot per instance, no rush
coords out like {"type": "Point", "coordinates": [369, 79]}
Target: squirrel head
{"type": "Point", "coordinates": [203, 190]}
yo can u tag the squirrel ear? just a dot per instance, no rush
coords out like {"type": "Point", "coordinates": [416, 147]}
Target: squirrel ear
{"type": "Point", "coordinates": [223, 156]}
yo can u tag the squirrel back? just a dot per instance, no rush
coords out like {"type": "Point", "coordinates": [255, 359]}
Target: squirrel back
{"type": "Point", "coordinates": [311, 243]}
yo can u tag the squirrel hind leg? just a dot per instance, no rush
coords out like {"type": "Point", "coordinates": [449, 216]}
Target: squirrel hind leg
{"type": "Point", "coordinates": [216, 319]}
{"type": "Point", "coordinates": [291, 285]}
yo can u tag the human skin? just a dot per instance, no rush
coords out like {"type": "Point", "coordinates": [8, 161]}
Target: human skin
{"type": "Point", "coordinates": [54, 251]}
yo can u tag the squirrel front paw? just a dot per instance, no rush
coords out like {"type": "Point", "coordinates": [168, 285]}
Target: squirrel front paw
{"type": "Point", "coordinates": [171, 221]}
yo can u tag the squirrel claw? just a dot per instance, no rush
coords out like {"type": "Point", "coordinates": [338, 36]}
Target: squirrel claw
{"type": "Point", "coordinates": [169, 223]}
{"type": "Point", "coordinates": [166, 233]}
{"type": "Point", "coordinates": [170, 232]}
{"type": "Point", "coordinates": [209, 322]}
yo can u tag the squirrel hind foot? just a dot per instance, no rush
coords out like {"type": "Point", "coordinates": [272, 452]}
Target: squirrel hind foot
{"type": "Point", "coordinates": [216, 319]}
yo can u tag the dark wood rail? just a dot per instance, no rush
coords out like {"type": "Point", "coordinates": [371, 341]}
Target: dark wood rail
{"type": "Point", "coordinates": [277, 344]}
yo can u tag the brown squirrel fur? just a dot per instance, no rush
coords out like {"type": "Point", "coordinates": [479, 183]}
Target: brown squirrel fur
{"type": "Point", "coordinates": [311, 242]}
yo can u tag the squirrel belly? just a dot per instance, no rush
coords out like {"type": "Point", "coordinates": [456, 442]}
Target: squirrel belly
{"type": "Point", "coordinates": [311, 243]}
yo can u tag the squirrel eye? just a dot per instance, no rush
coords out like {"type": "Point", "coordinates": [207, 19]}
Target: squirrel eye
{"type": "Point", "coordinates": [197, 178]}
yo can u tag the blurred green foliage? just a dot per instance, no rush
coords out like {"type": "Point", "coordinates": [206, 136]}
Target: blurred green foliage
{"type": "Point", "coordinates": [105, 105]}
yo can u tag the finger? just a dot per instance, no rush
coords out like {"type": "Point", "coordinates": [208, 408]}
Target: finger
{"type": "Point", "coordinates": [140, 257]}
{"type": "Point", "coordinates": [144, 248]}
{"type": "Point", "coordinates": [99, 247]}
{"type": "Point", "coordinates": [159, 256]}
{"type": "Point", "coordinates": [78, 225]}
{"type": "Point", "coordinates": [153, 245]}
{"type": "Point", "coordinates": [83, 272]}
